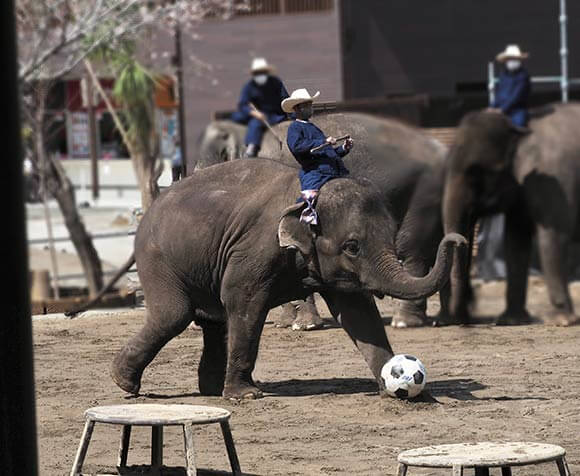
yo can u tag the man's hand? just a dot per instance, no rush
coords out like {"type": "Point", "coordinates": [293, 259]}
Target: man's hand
{"type": "Point", "coordinates": [348, 144]}
{"type": "Point", "coordinates": [493, 109]}
{"type": "Point", "coordinates": [258, 115]}
{"type": "Point", "coordinates": [330, 140]}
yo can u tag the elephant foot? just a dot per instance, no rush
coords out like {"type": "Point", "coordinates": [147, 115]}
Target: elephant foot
{"type": "Point", "coordinates": [562, 319]}
{"type": "Point", "coordinates": [211, 377]}
{"type": "Point", "coordinates": [517, 318]}
{"type": "Point", "coordinates": [127, 380]}
{"type": "Point", "coordinates": [242, 392]}
{"type": "Point", "coordinates": [307, 317]}
{"type": "Point", "coordinates": [287, 317]}
{"type": "Point", "coordinates": [402, 320]}
{"type": "Point", "coordinates": [445, 319]}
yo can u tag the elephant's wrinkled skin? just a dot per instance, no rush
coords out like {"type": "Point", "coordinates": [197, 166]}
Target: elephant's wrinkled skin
{"type": "Point", "coordinates": [533, 177]}
{"type": "Point", "coordinates": [404, 163]}
{"type": "Point", "coordinates": [214, 250]}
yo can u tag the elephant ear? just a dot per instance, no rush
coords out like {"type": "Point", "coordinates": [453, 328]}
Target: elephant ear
{"type": "Point", "coordinates": [292, 233]}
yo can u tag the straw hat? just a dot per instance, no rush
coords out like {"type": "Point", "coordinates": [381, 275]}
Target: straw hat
{"type": "Point", "coordinates": [260, 65]}
{"type": "Point", "coordinates": [511, 52]}
{"type": "Point", "coordinates": [298, 96]}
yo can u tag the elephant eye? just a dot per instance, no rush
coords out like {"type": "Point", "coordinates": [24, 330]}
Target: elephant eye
{"type": "Point", "coordinates": [351, 247]}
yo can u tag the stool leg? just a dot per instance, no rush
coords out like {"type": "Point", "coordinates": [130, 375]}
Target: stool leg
{"type": "Point", "coordinates": [481, 471]}
{"type": "Point", "coordinates": [156, 446]}
{"type": "Point", "coordinates": [189, 454]}
{"type": "Point", "coordinates": [124, 447]}
{"type": "Point", "coordinates": [563, 466]}
{"type": "Point", "coordinates": [83, 447]}
{"type": "Point", "coordinates": [229, 441]}
{"type": "Point", "coordinates": [457, 470]}
{"type": "Point", "coordinates": [402, 469]}
{"type": "Point", "coordinates": [506, 471]}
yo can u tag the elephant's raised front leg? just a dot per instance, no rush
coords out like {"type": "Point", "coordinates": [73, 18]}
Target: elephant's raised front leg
{"type": "Point", "coordinates": [359, 317]}
{"type": "Point", "coordinates": [553, 246]}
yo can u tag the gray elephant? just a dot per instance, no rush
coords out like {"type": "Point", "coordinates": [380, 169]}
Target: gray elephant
{"type": "Point", "coordinates": [406, 165]}
{"type": "Point", "coordinates": [225, 245]}
{"type": "Point", "coordinates": [533, 177]}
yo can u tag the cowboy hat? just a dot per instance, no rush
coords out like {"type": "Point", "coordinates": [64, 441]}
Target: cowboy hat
{"type": "Point", "coordinates": [260, 65]}
{"type": "Point", "coordinates": [511, 52]}
{"type": "Point", "coordinates": [298, 96]}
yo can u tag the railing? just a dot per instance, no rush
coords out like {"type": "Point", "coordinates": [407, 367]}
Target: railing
{"type": "Point", "coordinates": [281, 7]}
{"type": "Point", "coordinates": [96, 236]}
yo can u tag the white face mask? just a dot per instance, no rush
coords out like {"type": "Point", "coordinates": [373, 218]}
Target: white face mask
{"type": "Point", "coordinates": [260, 79]}
{"type": "Point", "coordinates": [513, 64]}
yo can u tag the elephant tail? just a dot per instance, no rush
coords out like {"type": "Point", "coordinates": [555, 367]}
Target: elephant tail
{"type": "Point", "coordinates": [85, 306]}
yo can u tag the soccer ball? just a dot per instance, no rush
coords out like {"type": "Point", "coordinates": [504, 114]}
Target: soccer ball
{"type": "Point", "coordinates": [404, 376]}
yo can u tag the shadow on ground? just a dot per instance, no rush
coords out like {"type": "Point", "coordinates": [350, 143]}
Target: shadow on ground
{"type": "Point", "coordinates": [462, 389]}
{"type": "Point", "coordinates": [303, 388]}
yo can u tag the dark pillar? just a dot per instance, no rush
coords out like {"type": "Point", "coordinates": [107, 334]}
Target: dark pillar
{"type": "Point", "coordinates": [178, 61]}
{"type": "Point", "coordinates": [18, 451]}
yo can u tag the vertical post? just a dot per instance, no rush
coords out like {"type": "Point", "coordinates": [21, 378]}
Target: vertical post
{"type": "Point", "coordinates": [491, 82]}
{"type": "Point", "coordinates": [181, 103]}
{"type": "Point", "coordinates": [93, 137]}
{"type": "Point", "coordinates": [18, 449]}
{"type": "Point", "coordinates": [563, 51]}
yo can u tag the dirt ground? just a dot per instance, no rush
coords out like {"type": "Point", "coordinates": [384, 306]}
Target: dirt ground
{"type": "Point", "coordinates": [321, 413]}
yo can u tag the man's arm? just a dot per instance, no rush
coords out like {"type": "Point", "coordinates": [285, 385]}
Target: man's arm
{"type": "Point", "coordinates": [244, 102]}
{"type": "Point", "coordinates": [298, 143]}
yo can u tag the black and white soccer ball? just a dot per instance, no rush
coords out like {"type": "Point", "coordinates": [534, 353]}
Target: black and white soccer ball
{"type": "Point", "coordinates": [404, 376]}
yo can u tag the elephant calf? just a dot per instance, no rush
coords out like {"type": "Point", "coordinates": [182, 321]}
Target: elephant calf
{"type": "Point", "coordinates": [222, 247]}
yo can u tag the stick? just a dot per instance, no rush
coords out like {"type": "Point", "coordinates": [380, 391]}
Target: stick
{"type": "Point", "coordinates": [318, 147]}
{"type": "Point", "coordinates": [254, 108]}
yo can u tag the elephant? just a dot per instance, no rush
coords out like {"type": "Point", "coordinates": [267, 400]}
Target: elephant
{"type": "Point", "coordinates": [530, 175]}
{"type": "Point", "coordinates": [223, 246]}
{"type": "Point", "coordinates": [407, 165]}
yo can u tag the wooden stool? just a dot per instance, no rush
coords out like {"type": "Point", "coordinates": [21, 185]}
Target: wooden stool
{"type": "Point", "coordinates": [156, 416]}
{"type": "Point", "coordinates": [483, 456]}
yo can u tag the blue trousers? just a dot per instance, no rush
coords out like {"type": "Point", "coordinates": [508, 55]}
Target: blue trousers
{"type": "Point", "coordinates": [519, 117]}
{"type": "Point", "coordinates": [256, 128]}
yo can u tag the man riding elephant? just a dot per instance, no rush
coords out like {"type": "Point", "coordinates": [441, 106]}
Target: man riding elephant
{"type": "Point", "coordinates": [259, 104]}
{"type": "Point", "coordinates": [225, 245]}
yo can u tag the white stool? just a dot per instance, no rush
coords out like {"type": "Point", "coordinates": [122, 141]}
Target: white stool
{"type": "Point", "coordinates": [483, 456]}
{"type": "Point", "coordinates": [156, 416]}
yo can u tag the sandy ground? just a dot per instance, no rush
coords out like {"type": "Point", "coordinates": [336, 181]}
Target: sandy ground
{"type": "Point", "coordinates": [321, 413]}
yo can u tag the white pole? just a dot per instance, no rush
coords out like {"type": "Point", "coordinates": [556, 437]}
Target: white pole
{"type": "Point", "coordinates": [491, 82]}
{"type": "Point", "coordinates": [563, 52]}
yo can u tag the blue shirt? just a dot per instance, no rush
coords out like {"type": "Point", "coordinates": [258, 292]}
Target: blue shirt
{"type": "Point", "coordinates": [512, 92]}
{"type": "Point", "coordinates": [266, 98]}
{"type": "Point", "coordinates": [317, 167]}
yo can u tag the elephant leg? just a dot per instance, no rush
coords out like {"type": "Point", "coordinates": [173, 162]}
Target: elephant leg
{"type": "Point", "coordinates": [212, 365]}
{"type": "Point", "coordinates": [246, 314]}
{"type": "Point", "coordinates": [553, 247]}
{"type": "Point", "coordinates": [169, 312]}
{"type": "Point", "coordinates": [518, 246]}
{"type": "Point", "coordinates": [307, 317]}
{"type": "Point", "coordinates": [412, 313]}
{"type": "Point", "coordinates": [460, 289]}
{"type": "Point", "coordinates": [359, 317]}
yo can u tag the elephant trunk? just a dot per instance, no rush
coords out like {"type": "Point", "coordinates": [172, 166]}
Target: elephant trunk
{"type": "Point", "coordinates": [402, 285]}
{"type": "Point", "coordinates": [457, 204]}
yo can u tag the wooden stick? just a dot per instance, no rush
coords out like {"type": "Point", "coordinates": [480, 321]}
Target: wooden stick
{"type": "Point", "coordinates": [318, 147]}
{"type": "Point", "coordinates": [254, 108]}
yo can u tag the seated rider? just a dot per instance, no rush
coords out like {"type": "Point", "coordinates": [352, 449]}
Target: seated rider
{"type": "Point", "coordinates": [513, 89]}
{"type": "Point", "coordinates": [319, 166]}
{"type": "Point", "coordinates": [260, 104]}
